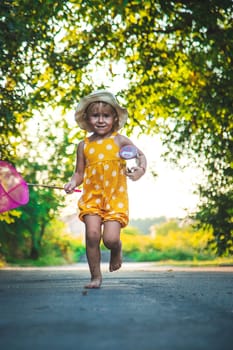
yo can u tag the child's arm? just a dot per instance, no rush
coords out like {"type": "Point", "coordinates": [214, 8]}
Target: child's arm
{"type": "Point", "coordinates": [142, 162]}
{"type": "Point", "coordinates": [138, 171]}
{"type": "Point", "coordinates": [77, 177]}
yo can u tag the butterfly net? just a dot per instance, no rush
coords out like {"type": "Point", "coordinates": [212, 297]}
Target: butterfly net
{"type": "Point", "coordinates": [13, 189]}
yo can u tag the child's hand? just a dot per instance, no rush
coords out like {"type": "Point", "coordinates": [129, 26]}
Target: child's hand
{"type": "Point", "coordinates": [70, 187]}
{"type": "Point", "coordinates": [135, 173]}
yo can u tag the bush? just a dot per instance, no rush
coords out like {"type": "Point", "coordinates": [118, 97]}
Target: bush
{"type": "Point", "coordinates": [60, 244]}
{"type": "Point", "coordinates": [170, 241]}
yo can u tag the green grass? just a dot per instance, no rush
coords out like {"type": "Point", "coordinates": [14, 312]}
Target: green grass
{"type": "Point", "coordinates": [42, 261]}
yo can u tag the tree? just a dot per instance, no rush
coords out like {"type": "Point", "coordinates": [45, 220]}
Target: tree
{"type": "Point", "coordinates": [26, 34]}
{"type": "Point", "coordinates": [181, 77]}
{"type": "Point", "coordinates": [178, 64]}
{"type": "Point", "coordinates": [41, 162]}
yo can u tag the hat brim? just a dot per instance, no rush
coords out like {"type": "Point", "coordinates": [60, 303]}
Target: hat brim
{"type": "Point", "coordinates": [99, 96]}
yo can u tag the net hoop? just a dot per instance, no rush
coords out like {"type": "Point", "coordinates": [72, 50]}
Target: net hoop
{"type": "Point", "coordinates": [13, 188]}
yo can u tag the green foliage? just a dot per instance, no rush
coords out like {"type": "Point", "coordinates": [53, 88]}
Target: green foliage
{"type": "Point", "coordinates": [144, 225]}
{"type": "Point", "coordinates": [13, 242]}
{"type": "Point", "coordinates": [58, 243]}
{"type": "Point", "coordinates": [218, 214]}
{"type": "Point", "coordinates": [164, 228]}
{"type": "Point", "coordinates": [177, 59]}
{"type": "Point", "coordinates": [168, 241]}
{"type": "Point", "coordinates": [27, 30]}
{"type": "Point", "coordinates": [41, 161]}
{"type": "Point", "coordinates": [57, 247]}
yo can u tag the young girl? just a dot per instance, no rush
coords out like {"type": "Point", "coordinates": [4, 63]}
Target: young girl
{"type": "Point", "coordinates": [104, 203]}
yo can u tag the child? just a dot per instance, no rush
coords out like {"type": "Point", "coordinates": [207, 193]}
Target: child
{"type": "Point", "coordinates": [104, 202]}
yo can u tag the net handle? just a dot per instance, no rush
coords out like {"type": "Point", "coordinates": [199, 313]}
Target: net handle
{"type": "Point", "coordinates": [49, 186]}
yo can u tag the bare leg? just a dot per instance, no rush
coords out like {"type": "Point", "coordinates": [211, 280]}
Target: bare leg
{"type": "Point", "coordinates": [116, 259]}
{"type": "Point", "coordinates": [93, 237]}
{"type": "Point", "coordinates": [111, 238]}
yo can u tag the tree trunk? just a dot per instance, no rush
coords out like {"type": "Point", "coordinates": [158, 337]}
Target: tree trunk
{"type": "Point", "coordinates": [34, 254]}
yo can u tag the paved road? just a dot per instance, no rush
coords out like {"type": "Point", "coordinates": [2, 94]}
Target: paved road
{"type": "Point", "coordinates": [138, 307]}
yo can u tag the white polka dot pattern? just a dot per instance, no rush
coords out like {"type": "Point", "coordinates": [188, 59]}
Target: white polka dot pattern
{"type": "Point", "coordinates": [91, 150]}
{"type": "Point", "coordinates": [101, 156]}
{"type": "Point", "coordinates": [105, 184]}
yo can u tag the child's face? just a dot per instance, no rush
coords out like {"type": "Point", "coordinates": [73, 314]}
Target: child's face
{"type": "Point", "coordinates": [101, 117]}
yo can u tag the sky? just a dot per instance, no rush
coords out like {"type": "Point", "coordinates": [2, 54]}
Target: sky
{"type": "Point", "coordinates": [170, 193]}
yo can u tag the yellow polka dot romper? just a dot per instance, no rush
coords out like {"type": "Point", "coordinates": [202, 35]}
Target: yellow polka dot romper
{"type": "Point", "coordinates": [105, 184]}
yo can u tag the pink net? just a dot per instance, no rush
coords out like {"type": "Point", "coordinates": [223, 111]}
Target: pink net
{"type": "Point", "coordinates": [13, 189]}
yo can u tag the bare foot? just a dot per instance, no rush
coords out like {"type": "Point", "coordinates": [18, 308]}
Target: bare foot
{"type": "Point", "coordinates": [115, 259]}
{"type": "Point", "coordinates": [94, 283]}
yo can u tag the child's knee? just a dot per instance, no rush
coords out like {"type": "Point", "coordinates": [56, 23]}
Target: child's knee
{"type": "Point", "coordinates": [93, 237]}
{"type": "Point", "coordinates": [110, 242]}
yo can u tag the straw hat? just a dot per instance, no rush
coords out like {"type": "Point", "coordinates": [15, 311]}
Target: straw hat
{"type": "Point", "coordinates": [99, 96]}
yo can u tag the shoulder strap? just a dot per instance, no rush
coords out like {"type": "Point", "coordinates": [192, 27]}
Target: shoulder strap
{"type": "Point", "coordinates": [86, 140]}
{"type": "Point", "coordinates": [113, 134]}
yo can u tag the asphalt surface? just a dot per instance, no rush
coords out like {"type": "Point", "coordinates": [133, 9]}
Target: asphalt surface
{"type": "Point", "coordinates": [138, 307]}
